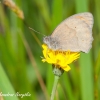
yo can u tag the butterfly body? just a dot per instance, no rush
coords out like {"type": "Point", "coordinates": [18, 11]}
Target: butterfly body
{"type": "Point", "coordinates": [74, 34]}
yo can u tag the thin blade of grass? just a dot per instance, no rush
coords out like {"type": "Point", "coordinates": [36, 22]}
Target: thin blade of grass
{"type": "Point", "coordinates": [57, 13]}
{"type": "Point", "coordinates": [5, 86]}
{"type": "Point", "coordinates": [81, 5]}
{"type": "Point", "coordinates": [86, 74]}
{"type": "Point", "coordinates": [97, 75]}
{"type": "Point", "coordinates": [65, 81]}
{"type": "Point", "coordinates": [44, 10]}
{"type": "Point", "coordinates": [49, 78]}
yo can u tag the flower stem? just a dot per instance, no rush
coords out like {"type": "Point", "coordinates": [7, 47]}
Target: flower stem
{"type": "Point", "coordinates": [54, 87]}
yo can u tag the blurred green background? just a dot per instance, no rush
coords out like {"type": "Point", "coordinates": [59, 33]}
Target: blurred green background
{"type": "Point", "coordinates": [21, 68]}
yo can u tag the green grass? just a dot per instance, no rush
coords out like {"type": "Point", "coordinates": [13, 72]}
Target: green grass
{"type": "Point", "coordinates": [22, 69]}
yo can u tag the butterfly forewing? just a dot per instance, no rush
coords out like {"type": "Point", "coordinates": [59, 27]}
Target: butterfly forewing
{"type": "Point", "coordinates": [75, 33]}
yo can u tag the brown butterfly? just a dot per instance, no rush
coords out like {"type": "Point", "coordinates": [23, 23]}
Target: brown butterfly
{"type": "Point", "coordinates": [74, 34]}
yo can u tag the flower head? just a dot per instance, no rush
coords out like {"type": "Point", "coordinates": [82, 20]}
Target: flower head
{"type": "Point", "coordinates": [59, 58]}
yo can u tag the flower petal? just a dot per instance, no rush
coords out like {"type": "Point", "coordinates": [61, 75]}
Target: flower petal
{"type": "Point", "coordinates": [67, 68]}
{"type": "Point", "coordinates": [61, 58]}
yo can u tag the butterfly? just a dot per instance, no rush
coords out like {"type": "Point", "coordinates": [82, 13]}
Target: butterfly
{"type": "Point", "coordinates": [74, 34]}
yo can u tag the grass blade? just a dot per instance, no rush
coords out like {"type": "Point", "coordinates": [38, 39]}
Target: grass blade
{"type": "Point", "coordinates": [5, 86]}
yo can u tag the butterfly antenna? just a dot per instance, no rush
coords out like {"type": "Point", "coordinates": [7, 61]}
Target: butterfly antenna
{"type": "Point", "coordinates": [32, 28]}
{"type": "Point", "coordinates": [35, 31]}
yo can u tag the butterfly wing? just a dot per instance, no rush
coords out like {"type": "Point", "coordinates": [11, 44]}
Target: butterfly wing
{"type": "Point", "coordinates": [75, 33]}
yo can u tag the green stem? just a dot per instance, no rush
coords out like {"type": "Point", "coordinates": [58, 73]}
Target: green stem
{"type": "Point", "coordinates": [54, 87]}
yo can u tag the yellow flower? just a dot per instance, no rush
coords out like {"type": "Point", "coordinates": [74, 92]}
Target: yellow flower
{"type": "Point", "coordinates": [59, 58]}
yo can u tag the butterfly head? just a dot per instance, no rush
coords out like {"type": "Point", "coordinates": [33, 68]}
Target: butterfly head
{"type": "Point", "coordinates": [52, 43]}
{"type": "Point", "coordinates": [46, 39]}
